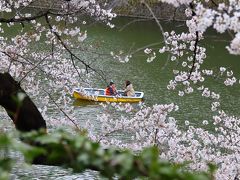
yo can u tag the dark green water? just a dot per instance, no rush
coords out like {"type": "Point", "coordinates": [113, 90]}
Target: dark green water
{"type": "Point", "coordinates": [151, 78]}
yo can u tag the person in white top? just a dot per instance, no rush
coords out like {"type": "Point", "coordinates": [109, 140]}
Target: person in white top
{"type": "Point", "coordinates": [129, 91]}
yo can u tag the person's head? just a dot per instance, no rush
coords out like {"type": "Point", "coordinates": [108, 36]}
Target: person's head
{"type": "Point", "coordinates": [111, 84]}
{"type": "Point", "coordinates": [127, 82]}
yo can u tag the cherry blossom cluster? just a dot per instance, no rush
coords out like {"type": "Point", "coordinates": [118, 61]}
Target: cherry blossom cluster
{"type": "Point", "coordinates": [183, 47]}
{"type": "Point", "coordinates": [154, 125]}
{"type": "Point", "coordinates": [223, 18]}
{"type": "Point", "coordinates": [57, 68]}
{"type": "Point", "coordinates": [121, 56]}
{"type": "Point", "coordinates": [143, 125]}
{"type": "Point", "coordinates": [151, 54]}
{"type": "Point", "coordinates": [92, 8]}
{"type": "Point", "coordinates": [6, 6]}
{"type": "Point", "coordinates": [177, 3]}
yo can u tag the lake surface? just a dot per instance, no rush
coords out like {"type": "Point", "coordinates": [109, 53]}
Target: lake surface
{"type": "Point", "coordinates": [151, 78]}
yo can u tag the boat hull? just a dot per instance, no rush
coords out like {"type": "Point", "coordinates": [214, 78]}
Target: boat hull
{"type": "Point", "coordinates": [101, 98]}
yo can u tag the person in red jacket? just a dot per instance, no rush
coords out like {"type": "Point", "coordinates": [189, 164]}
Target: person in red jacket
{"type": "Point", "coordinates": [111, 89]}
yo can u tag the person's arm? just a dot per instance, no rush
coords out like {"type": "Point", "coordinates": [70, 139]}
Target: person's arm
{"type": "Point", "coordinates": [111, 91]}
{"type": "Point", "coordinates": [128, 88]}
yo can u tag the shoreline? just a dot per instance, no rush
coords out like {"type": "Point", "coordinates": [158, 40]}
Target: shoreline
{"type": "Point", "coordinates": [162, 11]}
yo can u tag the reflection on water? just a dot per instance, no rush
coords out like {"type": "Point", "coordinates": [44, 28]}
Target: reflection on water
{"type": "Point", "coordinates": [83, 103]}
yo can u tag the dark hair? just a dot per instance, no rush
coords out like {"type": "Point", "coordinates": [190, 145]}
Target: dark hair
{"type": "Point", "coordinates": [127, 83]}
{"type": "Point", "coordinates": [111, 83]}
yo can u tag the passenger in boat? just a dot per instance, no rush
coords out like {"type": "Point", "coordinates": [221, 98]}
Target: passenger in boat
{"type": "Point", "coordinates": [111, 89]}
{"type": "Point", "coordinates": [129, 91]}
{"type": "Point", "coordinates": [113, 86]}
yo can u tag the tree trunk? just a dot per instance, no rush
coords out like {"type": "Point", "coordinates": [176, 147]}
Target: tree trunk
{"type": "Point", "coordinates": [24, 114]}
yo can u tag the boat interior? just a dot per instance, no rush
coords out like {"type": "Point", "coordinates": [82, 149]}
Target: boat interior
{"type": "Point", "coordinates": [101, 92]}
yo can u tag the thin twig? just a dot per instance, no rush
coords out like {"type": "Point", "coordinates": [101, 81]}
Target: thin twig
{"type": "Point", "coordinates": [74, 65]}
{"type": "Point", "coordinates": [147, 46]}
{"type": "Point", "coordinates": [87, 66]}
{"type": "Point", "coordinates": [133, 21]}
{"type": "Point", "coordinates": [155, 18]}
{"type": "Point", "coordinates": [33, 68]}
{"type": "Point", "coordinates": [160, 27]}
{"type": "Point", "coordinates": [75, 124]}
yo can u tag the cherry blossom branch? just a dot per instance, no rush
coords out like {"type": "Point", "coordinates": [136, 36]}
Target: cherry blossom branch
{"type": "Point", "coordinates": [195, 44]}
{"type": "Point", "coordinates": [24, 19]}
{"type": "Point", "coordinates": [72, 55]}
{"type": "Point", "coordinates": [155, 137]}
{"type": "Point", "coordinates": [34, 68]}
{"type": "Point", "coordinates": [64, 113]}
{"type": "Point", "coordinates": [108, 134]}
{"type": "Point", "coordinates": [74, 65]}
{"type": "Point", "coordinates": [215, 4]}
{"type": "Point", "coordinates": [28, 62]}
{"type": "Point", "coordinates": [12, 60]}
{"type": "Point", "coordinates": [194, 54]}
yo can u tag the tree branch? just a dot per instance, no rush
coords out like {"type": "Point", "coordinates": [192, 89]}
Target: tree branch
{"type": "Point", "coordinates": [23, 112]}
{"type": "Point", "coordinates": [194, 54]}
{"type": "Point", "coordinates": [72, 55]}
{"type": "Point", "coordinates": [65, 114]}
{"type": "Point", "coordinates": [24, 19]}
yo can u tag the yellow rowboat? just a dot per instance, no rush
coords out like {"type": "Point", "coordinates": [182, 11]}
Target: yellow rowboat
{"type": "Point", "coordinates": [98, 95]}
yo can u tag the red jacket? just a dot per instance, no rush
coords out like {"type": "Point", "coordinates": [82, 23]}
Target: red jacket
{"type": "Point", "coordinates": [109, 91]}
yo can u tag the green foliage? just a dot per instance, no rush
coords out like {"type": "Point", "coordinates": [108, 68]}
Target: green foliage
{"type": "Point", "coordinates": [79, 153]}
{"type": "Point", "coordinates": [5, 161]}
{"type": "Point", "coordinates": [5, 167]}
{"type": "Point", "coordinates": [7, 143]}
